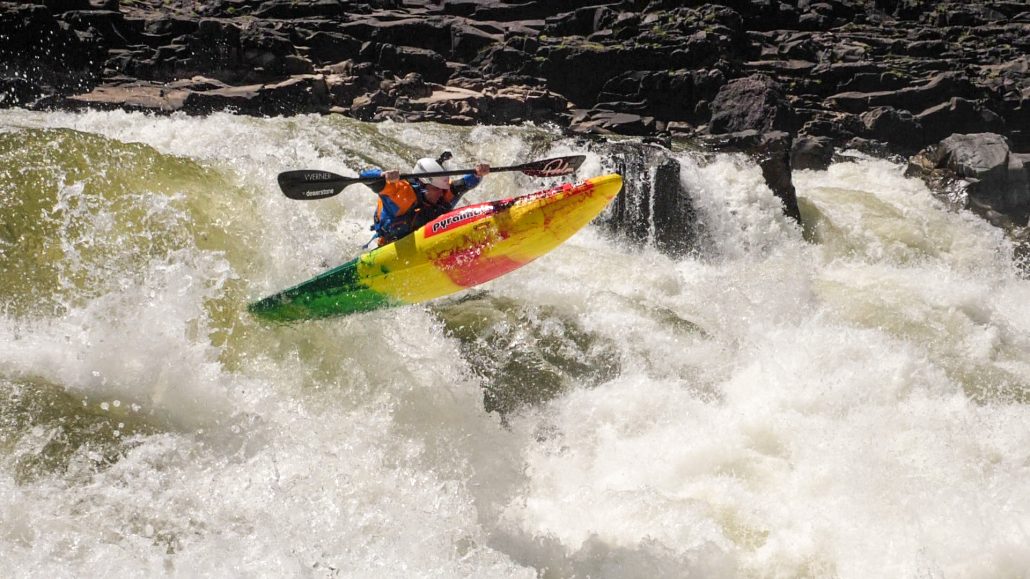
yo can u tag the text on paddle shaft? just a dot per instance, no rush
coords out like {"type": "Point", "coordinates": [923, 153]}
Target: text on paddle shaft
{"type": "Point", "coordinates": [319, 193]}
{"type": "Point", "coordinates": [318, 176]}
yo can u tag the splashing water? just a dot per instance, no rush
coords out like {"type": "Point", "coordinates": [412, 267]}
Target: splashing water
{"type": "Point", "coordinates": [845, 400]}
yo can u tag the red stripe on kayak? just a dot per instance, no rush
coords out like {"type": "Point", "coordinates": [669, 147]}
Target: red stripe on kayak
{"type": "Point", "coordinates": [468, 268]}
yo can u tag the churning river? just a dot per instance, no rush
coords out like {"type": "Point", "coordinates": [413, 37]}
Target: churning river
{"type": "Point", "coordinates": [851, 400]}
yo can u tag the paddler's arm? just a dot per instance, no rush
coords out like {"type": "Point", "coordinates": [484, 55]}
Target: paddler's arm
{"type": "Point", "coordinates": [459, 187]}
{"type": "Point", "coordinates": [379, 184]}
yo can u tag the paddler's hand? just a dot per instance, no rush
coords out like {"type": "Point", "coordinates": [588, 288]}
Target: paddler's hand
{"type": "Point", "coordinates": [392, 176]}
{"type": "Point", "coordinates": [482, 169]}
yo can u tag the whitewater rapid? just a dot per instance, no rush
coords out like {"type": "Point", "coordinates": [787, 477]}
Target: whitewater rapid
{"type": "Point", "coordinates": [845, 400]}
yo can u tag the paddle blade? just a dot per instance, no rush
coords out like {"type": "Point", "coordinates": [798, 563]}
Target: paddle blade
{"type": "Point", "coordinates": [305, 184]}
{"type": "Point", "coordinates": [553, 167]}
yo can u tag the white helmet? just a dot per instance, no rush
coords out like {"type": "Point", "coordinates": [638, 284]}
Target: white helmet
{"type": "Point", "coordinates": [428, 165]}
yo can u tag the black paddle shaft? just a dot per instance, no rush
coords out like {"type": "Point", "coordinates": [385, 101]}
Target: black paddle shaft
{"type": "Point", "coordinates": [305, 184]}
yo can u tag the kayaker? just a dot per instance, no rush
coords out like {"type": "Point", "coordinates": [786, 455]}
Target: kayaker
{"type": "Point", "coordinates": [407, 204]}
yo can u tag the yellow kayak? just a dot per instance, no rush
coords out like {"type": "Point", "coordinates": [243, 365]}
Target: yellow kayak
{"type": "Point", "coordinates": [466, 247]}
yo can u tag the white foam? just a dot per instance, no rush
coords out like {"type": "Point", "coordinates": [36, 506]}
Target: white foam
{"type": "Point", "coordinates": [854, 407]}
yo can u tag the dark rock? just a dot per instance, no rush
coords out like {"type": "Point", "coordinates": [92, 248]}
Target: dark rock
{"type": "Point", "coordinates": [16, 91]}
{"type": "Point", "coordinates": [876, 81]}
{"type": "Point", "coordinates": [365, 107]}
{"type": "Point", "coordinates": [431, 34]}
{"type": "Point", "coordinates": [328, 47]}
{"type": "Point", "coordinates": [996, 176]}
{"type": "Point", "coordinates": [799, 47]}
{"type": "Point", "coordinates": [528, 10]}
{"type": "Point", "coordinates": [459, 7]}
{"type": "Point", "coordinates": [751, 103]}
{"type": "Point", "coordinates": [58, 6]}
{"type": "Point", "coordinates": [294, 9]}
{"type": "Point", "coordinates": [896, 126]}
{"type": "Point", "coordinates": [666, 95]}
{"type": "Point", "coordinates": [399, 59]}
{"type": "Point", "coordinates": [579, 69]}
{"type": "Point", "coordinates": [773, 155]}
{"type": "Point", "coordinates": [514, 104]}
{"type": "Point", "coordinates": [870, 147]}
{"type": "Point", "coordinates": [266, 50]}
{"type": "Point", "coordinates": [840, 74]}
{"type": "Point", "coordinates": [971, 15]}
{"type": "Point", "coordinates": [306, 93]}
{"type": "Point", "coordinates": [838, 127]}
{"type": "Point", "coordinates": [294, 65]}
{"type": "Point", "coordinates": [146, 97]}
{"type": "Point", "coordinates": [654, 207]}
{"type": "Point", "coordinates": [582, 22]}
{"type": "Point", "coordinates": [983, 156]}
{"type": "Point", "coordinates": [811, 153]}
{"type": "Point", "coordinates": [170, 26]}
{"type": "Point", "coordinates": [197, 83]}
{"type": "Point", "coordinates": [411, 86]}
{"type": "Point", "coordinates": [109, 24]}
{"type": "Point", "coordinates": [467, 41]}
{"type": "Point", "coordinates": [996, 181]}
{"type": "Point", "coordinates": [925, 48]}
{"type": "Point", "coordinates": [344, 89]}
{"type": "Point", "coordinates": [939, 89]}
{"type": "Point", "coordinates": [958, 115]}
{"type": "Point", "coordinates": [215, 49]}
{"type": "Point", "coordinates": [640, 67]}
{"type": "Point", "coordinates": [508, 104]}
{"type": "Point", "coordinates": [599, 121]}
{"type": "Point", "coordinates": [227, 52]}
{"type": "Point", "coordinates": [50, 56]}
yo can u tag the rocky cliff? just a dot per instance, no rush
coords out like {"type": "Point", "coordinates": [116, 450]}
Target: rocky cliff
{"type": "Point", "coordinates": [787, 80]}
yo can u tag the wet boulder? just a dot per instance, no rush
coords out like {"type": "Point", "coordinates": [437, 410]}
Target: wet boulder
{"type": "Point", "coordinates": [654, 207]}
{"type": "Point", "coordinates": [15, 91]}
{"type": "Point", "coordinates": [809, 152]}
{"type": "Point", "coordinates": [995, 180]}
{"type": "Point", "coordinates": [215, 49]}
